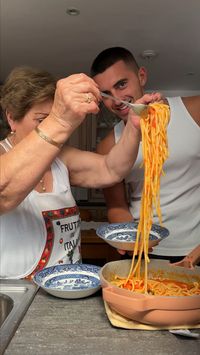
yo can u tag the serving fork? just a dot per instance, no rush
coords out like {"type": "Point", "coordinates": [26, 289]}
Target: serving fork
{"type": "Point", "coordinates": [137, 108]}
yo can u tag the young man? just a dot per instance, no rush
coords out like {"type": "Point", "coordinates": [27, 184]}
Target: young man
{"type": "Point", "coordinates": [117, 73]}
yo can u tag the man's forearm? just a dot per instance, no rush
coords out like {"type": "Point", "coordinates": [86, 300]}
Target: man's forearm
{"type": "Point", "coordinates": [118, 215]}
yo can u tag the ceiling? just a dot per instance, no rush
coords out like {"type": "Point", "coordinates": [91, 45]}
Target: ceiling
{"type": "Point", "coordinates": [40, 33]}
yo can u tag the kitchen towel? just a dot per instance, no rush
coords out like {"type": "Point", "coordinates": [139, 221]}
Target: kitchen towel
{"type": "Point", "coordinates": [121, 322]}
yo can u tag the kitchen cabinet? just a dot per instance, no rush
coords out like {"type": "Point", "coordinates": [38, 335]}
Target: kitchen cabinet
{"type": "Point", "coordinates": [101, 125]}
{"type": "Point", "coordinates": [86, 137]}
{"type": "Point", "coordinates": [91, 201]}
{"type": "Point", "coordinates": [93, 249]}
{"type": "Point", "coordinates": [3, 125]}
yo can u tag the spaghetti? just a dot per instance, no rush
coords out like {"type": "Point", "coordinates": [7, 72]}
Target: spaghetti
{"type": "Point", "coordinates": [154, 123]}
{"type": "Point", "coordinates": [159, 287]}
{"type": "Point", "coordinates": [155, 151]}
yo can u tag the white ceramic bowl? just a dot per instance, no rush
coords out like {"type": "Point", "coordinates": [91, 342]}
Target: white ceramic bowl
{"type": "Point", "coordinates": [123, 235]}
{"type": "Point", "coordinates": [69, 281]}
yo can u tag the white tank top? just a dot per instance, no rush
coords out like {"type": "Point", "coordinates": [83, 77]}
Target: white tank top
{"type": "Point", "coordinates": [180, 187]}
{"type": "Point", "coordinates": [43, 230]}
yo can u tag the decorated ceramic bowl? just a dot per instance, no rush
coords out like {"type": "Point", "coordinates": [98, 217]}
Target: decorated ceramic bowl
{"type": "Point", "coordinates": [150, 309]}
{"type": "Point", "coordinates": [123, 235]}
{"type": "Point", "coordinates": [69, 280]}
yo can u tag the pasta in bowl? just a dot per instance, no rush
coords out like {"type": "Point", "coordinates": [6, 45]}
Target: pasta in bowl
{"type": "Point", "coordinates": [148, 308]}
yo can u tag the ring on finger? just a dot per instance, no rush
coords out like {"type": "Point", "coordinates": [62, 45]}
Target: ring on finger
{"type": "Point", "coordinates": [88, 98]}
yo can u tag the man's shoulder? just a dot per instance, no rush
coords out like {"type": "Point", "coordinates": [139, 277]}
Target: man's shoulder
{"type": "Point", "coordinates": [186, 100]}
{"type": "Point", "coordinates": [192, 103]}
{"type": "Point", "coordinates": [191, 99]}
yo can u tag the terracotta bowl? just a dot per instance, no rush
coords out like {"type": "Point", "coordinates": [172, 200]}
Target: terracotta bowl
{"type": "Point", "coordinates": [149, 309]}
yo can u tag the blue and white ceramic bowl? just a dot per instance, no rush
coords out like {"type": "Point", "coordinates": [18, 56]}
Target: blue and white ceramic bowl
{"type": "Point", "coordinates": [69, 280]}
{"type": "Point", "coordinates": [123, 235]}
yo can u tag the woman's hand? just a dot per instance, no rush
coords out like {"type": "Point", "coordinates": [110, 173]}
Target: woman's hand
{"type": "Point", "coordinates": [75, 97]}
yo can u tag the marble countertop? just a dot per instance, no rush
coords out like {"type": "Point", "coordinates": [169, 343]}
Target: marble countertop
{"type": "Point", "coordinates": [81, 327]}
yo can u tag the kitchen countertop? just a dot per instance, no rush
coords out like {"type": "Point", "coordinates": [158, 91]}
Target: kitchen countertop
{"type": "Point", "coordinates": [81, 327]}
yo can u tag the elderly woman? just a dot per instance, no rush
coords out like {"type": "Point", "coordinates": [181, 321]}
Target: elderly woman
{"type": "Point", "coordinates": [40, 222]}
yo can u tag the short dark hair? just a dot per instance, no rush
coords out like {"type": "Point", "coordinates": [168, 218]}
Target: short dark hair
{"type": "Point", "coordinates": [110, 56]}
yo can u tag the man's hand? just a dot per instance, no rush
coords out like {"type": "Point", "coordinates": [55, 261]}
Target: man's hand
{"type": "Point", "coordinates": [130, 253]}
{"type": "Point", "coordinates": [185, 262]}
{"type": "Point", "coordinates": [145, 99]}
{"type": "Point", "coordinates": [190, 260]}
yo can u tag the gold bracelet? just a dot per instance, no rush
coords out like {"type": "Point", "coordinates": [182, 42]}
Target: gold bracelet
{"type": "Point", "coordinates": [47, 139]}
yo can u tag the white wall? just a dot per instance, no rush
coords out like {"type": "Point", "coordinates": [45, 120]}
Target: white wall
{"type": "Point", "coordinates": [179, 92]}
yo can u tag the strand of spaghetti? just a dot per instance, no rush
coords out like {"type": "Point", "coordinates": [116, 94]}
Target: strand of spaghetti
{"type": "Point", "coordinates": [148, 172]}
{"type": "Point", "coordinates": [155, 152]}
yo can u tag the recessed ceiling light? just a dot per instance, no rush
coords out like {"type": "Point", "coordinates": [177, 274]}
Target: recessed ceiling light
{"type": "Point", "coordinates": [72, 11]}
{"type": "Point", "coordinates": [149, 54]}
{"type": "Point", "coordinates": [191, 73]}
